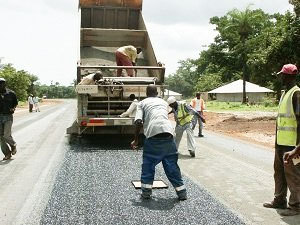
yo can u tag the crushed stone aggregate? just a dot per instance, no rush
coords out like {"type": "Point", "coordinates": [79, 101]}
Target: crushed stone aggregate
{"type": "Point", "coordinates": [93, 186]}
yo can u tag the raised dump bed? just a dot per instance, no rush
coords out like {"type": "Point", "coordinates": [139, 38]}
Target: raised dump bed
{"type": "Point", "coordinates": [106, 26]}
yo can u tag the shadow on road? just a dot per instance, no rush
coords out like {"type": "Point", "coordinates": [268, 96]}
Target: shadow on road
{"type": "Point", "coordinates": [5, 162]}
{"type": "Point", "coordinates": [161, 204]}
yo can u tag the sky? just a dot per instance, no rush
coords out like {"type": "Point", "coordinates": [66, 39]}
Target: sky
{"type": "Point", "coordinates": [42, 36]}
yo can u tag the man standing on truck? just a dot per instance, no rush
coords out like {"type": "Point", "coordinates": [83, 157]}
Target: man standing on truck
{"type": "Point", "coordinates": [198, 104]}
{"type": "Point", "coordinates": [8, 104]}
{"type": "Point", "coordinates": [91, 79]}
{"type": "Point", "coordinates": [126, 56]}
{"type": "Point", "coordinates": [159, 145]}
{"type": "Point", "coordinates": [287, 175]}
{"type": "Point", "coordinates": [184, 115]}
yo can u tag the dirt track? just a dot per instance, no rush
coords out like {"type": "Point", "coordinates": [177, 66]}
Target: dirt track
{"type": "Point", "coordinates": [255, 127]}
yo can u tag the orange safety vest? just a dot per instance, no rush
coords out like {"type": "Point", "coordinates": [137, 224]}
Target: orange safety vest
{"type": "Point", "coordinates": [202, 105]}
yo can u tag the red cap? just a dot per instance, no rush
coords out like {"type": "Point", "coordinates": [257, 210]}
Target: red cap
{"type": "Point", "coordinates": [289, 69]}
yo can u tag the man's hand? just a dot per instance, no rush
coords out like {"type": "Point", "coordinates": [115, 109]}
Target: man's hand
{"type": "Point", "coordinates": [288, 156]}
{"type": "Point", "coordinates": [134, 144]}
{"type": "Point", "coordinates": [12, 110]}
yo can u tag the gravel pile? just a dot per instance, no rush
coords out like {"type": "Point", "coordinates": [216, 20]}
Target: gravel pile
{"type": "Point", "coordinates": [94, 187]}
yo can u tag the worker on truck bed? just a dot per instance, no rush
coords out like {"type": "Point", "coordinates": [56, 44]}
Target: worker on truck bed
{"type": "Point", "coordinates": [126, 56]}
{"type": "Point", "coordinates": [159, 145]}
{"type": "Point", "coordinates": [91, 79]}
{"type": "Point", "coordinates": [286, 174]}
{"type": "Point", "coordinates": [131, 111]}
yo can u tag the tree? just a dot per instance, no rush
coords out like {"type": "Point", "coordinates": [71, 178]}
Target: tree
{"type": "Point", "coordinates": [243, 23]}
{"type": "Point", "coordinates": [296, 4]}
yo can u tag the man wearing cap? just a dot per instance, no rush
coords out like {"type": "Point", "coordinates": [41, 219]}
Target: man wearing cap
{"type": "Point", "coordinates": [8, 103]}
{"type": "Point", "coordinates": [184, 115]}
{"type": "Point", "coordinates": [126, 56]}
{"type": "Point", "coordinates": [91, 79]}
{"type": "Point", "coordinates": [159, 145]}
{"type": "Point", "coordinates": [287, 175]}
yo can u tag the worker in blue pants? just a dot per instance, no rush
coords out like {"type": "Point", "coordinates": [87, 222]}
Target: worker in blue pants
{"type": "Point", "coordinates": [159, 145]}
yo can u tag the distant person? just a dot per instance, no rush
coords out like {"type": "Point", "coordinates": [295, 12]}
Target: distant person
{"type": "Point", "coordinates": [183, 115]}
{"type": "Point", "coordinates": [287, 175]}
{"type": "Point", "coordinates": [199, 105]}
{"type": "Point", "coordinates": [126, 56]}
{"type": "Point", "coordinates": [91, 79]}
{"type": "Point", "coordinates": [30, 102]}
{"type": "Point", "coordinates": [159, 145]}
{"type": "Point", "coordinates": [36, 103]}
{"type": "Point", "coordinates": [131, 111]}
{"type": "Point", "coordinates": [8, 104]}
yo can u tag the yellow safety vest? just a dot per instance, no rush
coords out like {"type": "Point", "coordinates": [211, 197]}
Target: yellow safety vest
{"type": "Point", "coordinates": [286, 120]}
{"type": "Point", "coordinates": [183, 117]}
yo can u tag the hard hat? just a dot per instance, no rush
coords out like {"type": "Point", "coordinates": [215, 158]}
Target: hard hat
{"type": "Point", "coordinates": [171, 100]}
{"type": "Point", "coordinates": [289, 69]}
{"type": "Point", "coordinates": [2, 79]}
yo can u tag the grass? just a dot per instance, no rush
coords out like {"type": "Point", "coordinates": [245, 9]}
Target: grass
{"type": "Point", "coordinates": [238, 106]}
{"type": "Point", "coordinates": [266, 106]}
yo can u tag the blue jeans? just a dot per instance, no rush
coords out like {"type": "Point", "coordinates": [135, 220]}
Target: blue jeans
{"type": "Point", "coordinates": [163, 150]}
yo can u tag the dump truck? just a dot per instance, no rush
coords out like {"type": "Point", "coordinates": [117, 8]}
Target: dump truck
{"type": "Point", "coordinates": [106, 25]}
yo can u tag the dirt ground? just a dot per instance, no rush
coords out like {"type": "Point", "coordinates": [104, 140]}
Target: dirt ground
{"type": "Point", "coordinates": [255, 127]}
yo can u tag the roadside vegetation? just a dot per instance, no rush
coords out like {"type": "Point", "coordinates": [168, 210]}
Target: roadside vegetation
{"type": "Point", "coordinates": [238, 106]}
{"type": "Point", "coordinates": [251, 45]}
{"type": "Point", "coordinates": [24, 84]}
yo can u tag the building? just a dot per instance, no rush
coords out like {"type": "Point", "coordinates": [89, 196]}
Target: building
{"type": "Point", "coordinates": [233, 92]}
{"type": "Point", "coordinates": [169, 93]}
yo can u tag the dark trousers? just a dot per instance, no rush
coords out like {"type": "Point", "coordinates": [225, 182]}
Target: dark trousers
{"type": "Point", "coordinates": [30, 107]}
{"type": "Point", "coordinates": [6, 140]}
{"type": "Point", "coordinates": [163, 150]}
{"type": "Point", "coordinates": [286, 177]}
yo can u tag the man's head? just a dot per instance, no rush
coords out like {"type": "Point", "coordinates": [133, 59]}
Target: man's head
{"type": "Point", "coordinates": [138, 50]}
{"type": "Point", "coordinates": [151, 91]}
{"type": "Point", "coordinates": [98, 76]}
{"type": "Point", "coordinates": [2, 84]}
{"type": "Point", "coordinates": [172, 102]}
{"type": "Point", "coordinates": [288, 74]}
{"type": "Point", "coordinates": [198, 95]}
{"type": "Point", "coordinates": [132, 97]}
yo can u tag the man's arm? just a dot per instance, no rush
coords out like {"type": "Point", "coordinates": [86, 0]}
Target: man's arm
{"type": "Point", "coordinates": [190, 109]}
{"type": "Point", "coordinates": [295, 153]}
{"type": "Point", "coordinates": [138, 126]}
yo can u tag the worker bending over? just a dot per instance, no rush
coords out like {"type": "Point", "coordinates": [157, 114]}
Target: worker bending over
{"type": "Point", "coordinates": [159, 145]}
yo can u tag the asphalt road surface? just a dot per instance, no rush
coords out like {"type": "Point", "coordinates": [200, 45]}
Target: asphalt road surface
{"type": "Point", "coordinates": [53, 181]}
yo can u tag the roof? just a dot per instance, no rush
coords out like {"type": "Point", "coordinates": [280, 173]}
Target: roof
{"type": "Point", "coordinates": [171, 93]}
{"type": "Point", "coordinates": [237, 87]}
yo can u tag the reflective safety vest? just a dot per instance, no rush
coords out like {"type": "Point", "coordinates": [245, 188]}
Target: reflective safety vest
{"type": "Point", "coordinates": [286, 120]}
{"type": "Point", "coordinates": [183, 117]}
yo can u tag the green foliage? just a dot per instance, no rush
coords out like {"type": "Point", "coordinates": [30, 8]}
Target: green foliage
{"type": "Point", "coordinates": [24, 83]}
{"type": "Point", "coordinates": [208, 82]}
{"type": "Point", "coordinates": [250, 44]}
{"type": "Point", "coordinates": [18, 81]}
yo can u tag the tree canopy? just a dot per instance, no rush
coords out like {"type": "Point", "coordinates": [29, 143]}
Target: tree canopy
{"type": "Point", "coordinates": [250, 44]}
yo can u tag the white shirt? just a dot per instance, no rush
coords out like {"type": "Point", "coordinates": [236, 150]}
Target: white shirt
{"type": "Point", "coordinates": [153, 111]}
{"type": "Point", "coordinates": [198, 106]}
{"type": "Point", "coordinates": [87, 80]}
{"type": "Point", "coordinates": [131, 111]}
{"type": "Point", "coordinates": [36, 100]}
{"type": "Point", "coordinates": [30, 100]}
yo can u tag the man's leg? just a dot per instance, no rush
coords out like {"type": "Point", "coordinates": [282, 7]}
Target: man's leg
{"type": "Point", "coordinates": [119, 63]}
{"type": "Point", "coordinates": [190, 141]}
{"type": "Point", "coordinates": [8, 138]}
{"type": "Point", "coordinates": [172, 169]}
{"type": "Point", "coordinates": [148, 168]}
{"type": "Point", "coordinates": [292, 174]}
{"type": "Point", "coordinates": [4, 146]}
{"type": "Point", "coordinates": [280, 182]}
{"type": "Point", "coordinates": [178, 135]}
{"type": "Point", "coordinates": [200, 125]}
